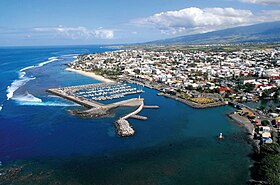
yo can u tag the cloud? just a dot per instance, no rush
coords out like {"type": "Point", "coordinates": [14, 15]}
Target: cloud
{"type": "Point", "coordinates": [268, 16]}
{"type": "Point", "coordinates": [265, 2]}
{"type": "Point", "coordinates": [195, 20]}
{"type": "Point", "coordinates": [78, 32]}
{"type": "Point", "coordinates": [104, 33]}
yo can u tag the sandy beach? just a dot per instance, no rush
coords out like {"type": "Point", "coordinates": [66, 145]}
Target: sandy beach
{"type": "Point", "coordinates": [90, 74]}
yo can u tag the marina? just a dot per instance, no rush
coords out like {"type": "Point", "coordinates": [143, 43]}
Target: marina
{"type": "Point", "coordinates": [89, 95]}
{"type": "Point", "coordinates": [107, 92]}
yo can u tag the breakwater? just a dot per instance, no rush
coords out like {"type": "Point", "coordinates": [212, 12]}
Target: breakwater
{"type": "Point", "coordinates": [123, 126]}
{"type": "Point", "coordinates": [79, 100]}
{"type": "Point", "coordinates": [80, 95]}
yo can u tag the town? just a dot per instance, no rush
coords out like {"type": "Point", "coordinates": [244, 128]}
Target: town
{"type": "Point", "coordinates": [202, 78]}
{"type": "Point", "coordinates": [243, 75]}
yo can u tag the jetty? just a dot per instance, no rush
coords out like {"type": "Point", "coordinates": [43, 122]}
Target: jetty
{"type": "Point", "coordinates": [89, 95]}
{"type": "Point", "coordinates": [123, 126]}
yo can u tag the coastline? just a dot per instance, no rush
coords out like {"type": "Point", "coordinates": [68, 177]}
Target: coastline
{"type": "Point", "coordinates": [90, 74]}
{"type": "Point", "coordinates": [246, 125]}
{"type": "Point", "coordinates": [191, 104]}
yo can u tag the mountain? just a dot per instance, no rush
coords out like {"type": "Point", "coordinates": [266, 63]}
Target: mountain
{"type": "Point", "coordinates": [264, 32]}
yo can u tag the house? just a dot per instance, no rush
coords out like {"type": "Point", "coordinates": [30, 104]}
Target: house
{"type": "Point", "coordinates": [257, 122]}
{"type": "Point", "coordinates": [276, 122]}
{"type": "Point", "coordinates": [266, 137]}
{"type": "Point", "coordinates": [225, 89]}
{"type": "Point", "coordinates": [249, 81]}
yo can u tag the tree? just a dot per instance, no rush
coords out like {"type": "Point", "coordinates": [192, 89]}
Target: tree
{"type": "Point", "coordinates": [267, 149]}
{"type": "Point", "coordinates": [265, 123]}
{"type": "Point", "coordinates": [269, 167]}
{"type": "Point", "coordinates": [262, 107]}
{"type": "Point", "coordinates": [249, 87]}
{"type": "Point", "coordinates": [264, 94]}
{"type": "Point", "coordinates": [137, 71]}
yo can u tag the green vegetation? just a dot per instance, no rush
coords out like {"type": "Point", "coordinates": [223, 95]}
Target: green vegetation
{"type": "Point", "coordinates": [262, 107]}
{"type": "Point", "coordinates": [103, 72]}
{"type": "Point", "coordinates": [202, 100]}
{"type": "Point", "coordinates": [185, 95]}
{"type": "Point", "coordinates": [265, 123]}
{"type": "Point", "coordinates": [269, 166]}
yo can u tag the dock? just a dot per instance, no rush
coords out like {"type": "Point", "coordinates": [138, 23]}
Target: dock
{"type": "Point", "coordinates": [86, 95]}
{"type": "Point", "coordinates": [139, 117]}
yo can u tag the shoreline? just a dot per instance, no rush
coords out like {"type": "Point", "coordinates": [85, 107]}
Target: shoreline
{"type": "Point", "coordinates": [248, 128]}
{"type": "Point", "coordinates": [191, 104]}
{"type": "Point", "coordinates": [90, 74]}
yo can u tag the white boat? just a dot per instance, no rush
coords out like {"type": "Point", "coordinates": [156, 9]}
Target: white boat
{"type": "Point", "coordinates": [221, 136]}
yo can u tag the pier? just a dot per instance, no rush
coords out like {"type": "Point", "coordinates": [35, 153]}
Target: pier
{"type": "Point", "coordinates": [79, 100]}
{"type": "Point", "coordinates": [123, 126]}
{"type": "Point", "coordinates": [87, 96]}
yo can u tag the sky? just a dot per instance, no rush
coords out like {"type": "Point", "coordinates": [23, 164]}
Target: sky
{"type": "Point", "coordinates": [79, 22]}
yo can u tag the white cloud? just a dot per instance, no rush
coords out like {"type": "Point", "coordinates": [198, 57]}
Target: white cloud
{"type": "Point", "coordinates": [196, 20]}
{"type": "Point", "coordinates": [104, 33]}
{"type": "Point", "coordinates": [265, 2]}
{"type": "Point", "coordinates": [78, 32]}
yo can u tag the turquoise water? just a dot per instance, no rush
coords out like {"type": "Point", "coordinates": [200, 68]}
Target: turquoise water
{"type": "Point", "coordinates": [176, 145]}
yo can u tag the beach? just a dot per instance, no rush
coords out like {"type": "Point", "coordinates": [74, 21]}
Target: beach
{"type": "Point", "coordinates": [90, 74]}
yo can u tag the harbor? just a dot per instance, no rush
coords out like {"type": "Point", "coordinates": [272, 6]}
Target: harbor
{"type": "Point", "coordinates": [175, 139]}
{"type": "Point", "coordinates": [89, 96]}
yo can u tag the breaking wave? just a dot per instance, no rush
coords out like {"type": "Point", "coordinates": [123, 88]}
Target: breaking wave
{"type": "Point", "coordinates": [22, 79]}
{"type": "Point", "coordinates": [16, 84]}
{"type": "Point", "coordinates": [31, 100]}
{"type": "Point", "coordinates": [48, 103]}
{"type": "Point", "coordinates": [51, 59]}
{"type": "Point", "coordinates": [27, 98]}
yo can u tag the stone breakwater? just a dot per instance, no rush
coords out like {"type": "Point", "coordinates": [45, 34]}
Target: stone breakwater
{"type": "Point", "coordinates": [123, 128]}
{"type": "Point", "coordinates": [95, 109]}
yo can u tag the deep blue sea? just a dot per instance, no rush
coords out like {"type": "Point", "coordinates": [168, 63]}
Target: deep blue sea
{"type": "Point", "coordinates": [47, 145]}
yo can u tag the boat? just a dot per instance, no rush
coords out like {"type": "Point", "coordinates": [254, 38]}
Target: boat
{"type": "Point", "coordinates": [221, 136]}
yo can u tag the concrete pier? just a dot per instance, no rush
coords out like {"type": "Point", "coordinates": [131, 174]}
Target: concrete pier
{"type": "Point", "coordinates": [96, 109]}
{"type": "Point", "coordinates": [151, 107]}
{"type": "Point", "coordinates": [79, 100]}
{"type": "Point", "coordinates": [139, 117]}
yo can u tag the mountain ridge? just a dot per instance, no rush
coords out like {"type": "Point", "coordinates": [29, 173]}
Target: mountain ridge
{"type": "Point", "coordinates": [263, 32]}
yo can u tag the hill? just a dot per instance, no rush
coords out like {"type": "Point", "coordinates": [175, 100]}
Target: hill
{"type": "Point", "coordinates": [265, 32]}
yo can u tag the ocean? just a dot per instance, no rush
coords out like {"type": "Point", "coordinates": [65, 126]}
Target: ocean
{"type": "Point", "coordinates": [41, 143]}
